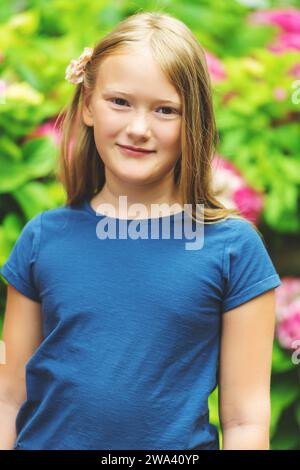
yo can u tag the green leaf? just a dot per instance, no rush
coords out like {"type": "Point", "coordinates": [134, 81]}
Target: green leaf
{"type": "Point", "coordinates": [9, 150]}
{"type": "Point", "coordinates": [281, 360]}
{"type": "Point", "coordinates": [12, 175]}
{"type": "Point", "coordinates": [291, 169]}
{"type": "Point", "coordinates": [287, 439]}
{"type": "Point", "coordinates": [231, 142]}
{"type": "Point", "coordinates": [287, 435]}
{"type": "Point", "coordinates": [12, 225]}
{"type": "Point", "coordinates": [298, 413]}
{"type": "Point", "coordinates": [283, 393]}
{"type": "Point", "coordinates": [33, 198]}
{"type": "Point", "coordinates": [39, 156]}
{"type": "Point", "coordinates": [273, 207]}
{"type": "Point", "coordinates": [9, 232]}
{"type": "Point", "coordinates": [213, 406]}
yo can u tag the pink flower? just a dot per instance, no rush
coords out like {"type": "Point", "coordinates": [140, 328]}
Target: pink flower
{"type": "Point", "coordinates": [279, 94]}
{"type": "Point", "coordinates": [288, 330]}
{"type": "Point", "coordinates": [288, 311]}
{"type": "Point", "coordinates": [232, 191]}
{"type": "Point", "coordinates": [287, 19]}
{"type": "Point", "coordinates": [286, 293]}
{"type": "Point", "coordinates": [215, 67]}
{"type": "Point", "coordinates": [295, 71]}
{"type": "Point", "coordinates": [47, 128]}
{"type": "Point", "coordinates": [249, 202]}
{"type": "Point", "coordinates": [288, 22]}
{"type": "Point", "coordinates": [285, 42]}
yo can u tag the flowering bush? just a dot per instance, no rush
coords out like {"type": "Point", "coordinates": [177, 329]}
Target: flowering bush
{"type": "Point", "coordinates": [288, 23]}
{"type": "Point", "coordinates": [258, 125]}
{"type": "Point", "coordinates": [232, 190]}
{"type": "Point", "coordinates": [288, 312]}
{"type": "Point", "coordinates": [215, 67]}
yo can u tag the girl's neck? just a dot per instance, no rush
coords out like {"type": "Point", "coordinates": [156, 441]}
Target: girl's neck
{"type": "Point", "coordinates": [120, 205]}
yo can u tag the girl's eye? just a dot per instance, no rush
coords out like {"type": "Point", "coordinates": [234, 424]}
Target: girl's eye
{"type": "Point", "coordinates": [171, 109]}
{"type": "Point", "coordinates": [118, 99]}
{"type": "Point", "coordinates": [163, 107]}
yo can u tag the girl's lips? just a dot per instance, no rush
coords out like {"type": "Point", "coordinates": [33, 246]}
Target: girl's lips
{"type": "Point", "coordinates": [133, 153]}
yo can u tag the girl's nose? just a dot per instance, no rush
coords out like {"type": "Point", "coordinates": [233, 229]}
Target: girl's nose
{"type": "Point", "coordinates": [139, 127]}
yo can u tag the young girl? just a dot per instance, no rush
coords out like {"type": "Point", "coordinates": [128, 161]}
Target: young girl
{"type": "Point", "coordinates": [123, 339]}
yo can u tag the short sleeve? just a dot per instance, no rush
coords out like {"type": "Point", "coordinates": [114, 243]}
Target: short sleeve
{"type": "Point", "coordinates": [18, 270]}
{"type": "Point", "coordinates": [247, 267]}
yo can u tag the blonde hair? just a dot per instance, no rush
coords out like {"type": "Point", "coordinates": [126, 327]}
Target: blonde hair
{"type": "Point", "coordinates": [182, 59]}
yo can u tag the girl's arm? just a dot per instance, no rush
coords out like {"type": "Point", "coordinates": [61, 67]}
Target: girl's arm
{"type": "Point", "coordinates": [245, 373]}
{"type": "Point", "coordinates": [22, 333]}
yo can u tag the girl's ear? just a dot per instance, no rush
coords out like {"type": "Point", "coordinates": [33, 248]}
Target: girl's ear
{"type": "Point", "coordinates": [87, 115]}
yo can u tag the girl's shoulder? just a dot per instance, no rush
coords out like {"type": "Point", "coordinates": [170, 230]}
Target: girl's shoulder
{"type": "Point", "coordinates": [233, 229]}
{"type": "Point", "coordinates": [55, 217]}
{"type": "Point", "coordinates": [248, 269]}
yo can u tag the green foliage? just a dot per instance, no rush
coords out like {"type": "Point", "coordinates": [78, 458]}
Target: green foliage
{"type": "Point", "coordinates": [261, 135]}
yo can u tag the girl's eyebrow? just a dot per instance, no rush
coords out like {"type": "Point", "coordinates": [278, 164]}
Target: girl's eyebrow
{"type": "Point", "coordinates": [130, 96]}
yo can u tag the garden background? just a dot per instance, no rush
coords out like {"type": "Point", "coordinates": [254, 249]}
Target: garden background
{"type": "Point", "coordinates": [253, 54]}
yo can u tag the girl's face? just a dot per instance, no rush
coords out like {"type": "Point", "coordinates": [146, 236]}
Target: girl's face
{"type": "Point", "coordinates": [134, 104]}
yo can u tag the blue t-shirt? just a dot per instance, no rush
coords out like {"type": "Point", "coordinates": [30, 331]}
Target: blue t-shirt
{"type": "Point", "coordinates": [131, 328]}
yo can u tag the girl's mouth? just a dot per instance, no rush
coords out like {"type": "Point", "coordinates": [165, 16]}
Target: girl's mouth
{"type": "Point", "coordinates": [133, 153]}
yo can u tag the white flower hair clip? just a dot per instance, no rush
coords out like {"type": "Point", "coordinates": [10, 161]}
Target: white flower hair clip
{"type": "Point", "coordinates": [75, 70]}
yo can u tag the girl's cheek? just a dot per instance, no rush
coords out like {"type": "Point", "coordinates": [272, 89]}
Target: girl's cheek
{"type": "Point", "coordinates": [106, 119]}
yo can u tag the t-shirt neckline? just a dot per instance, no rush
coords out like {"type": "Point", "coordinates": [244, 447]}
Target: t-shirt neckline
{"type": "Point", "coordinates": [87, 206]}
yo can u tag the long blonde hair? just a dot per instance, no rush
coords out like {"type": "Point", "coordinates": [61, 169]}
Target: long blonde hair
{"type": "Point", "coordinates": [182, 59]}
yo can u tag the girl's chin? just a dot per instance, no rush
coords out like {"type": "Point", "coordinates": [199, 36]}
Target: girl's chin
{"type": "Point", "coordinates": [136, 179]}
{"type": "Point", "coordinates": [134, 176]}
{"type": "Point", "coordinates": [134, 170]}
